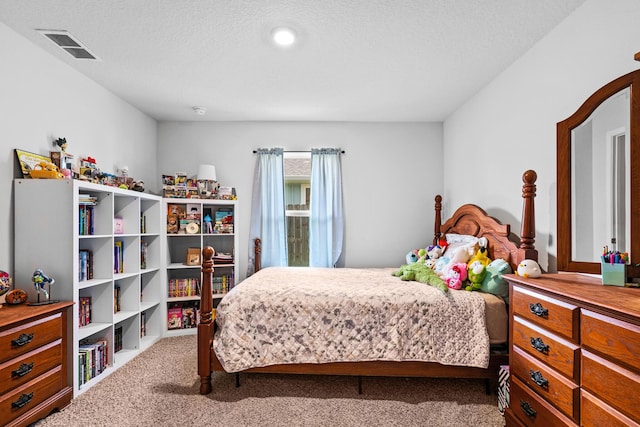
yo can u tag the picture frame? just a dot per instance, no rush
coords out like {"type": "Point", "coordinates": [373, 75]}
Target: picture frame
{"type": "Point", "coordinates": [193, 256]}
{"type": "Point", "coordinates": [28, 161]}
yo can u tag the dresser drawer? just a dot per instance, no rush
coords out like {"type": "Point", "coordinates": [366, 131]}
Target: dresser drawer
{"type": "Point", "coordinates": [553, 350]}
{"type": "Point", "coordinates": [22, 369]}
{"type": "Point", "coordinates": [31, 394]}
{"type": "Point", "coordinates": [611, 383]}
{"type": "Point", "coordinates": [552, 314]}
{"type": "Point", "coordinates": [29, 336]}
{"type": "Point", "coordinates": [552, 386]}
{"type": "Point", "coordinates": [617, 339]}
{"type": "Point", "coordinates": [596, 413]}
{"type": "Point", "coordinates": [531, 409]}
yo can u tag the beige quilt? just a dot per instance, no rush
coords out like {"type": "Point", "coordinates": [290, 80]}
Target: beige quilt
{"type": "Point", "coordinates": [284, 315]}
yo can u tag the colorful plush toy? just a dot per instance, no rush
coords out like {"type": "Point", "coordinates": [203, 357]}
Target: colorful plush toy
{"type": "Point", "coordinates": [456, 275]}
{"type": "Point", "coordinates": [476, 272]}
{"type": "Point", "coordinates": [420, 272]}
{"type": "Point", "coordinates": [482, 254]}
{"type": "Point", "coordinates": [416, 255]}
{"type": "Point", "coordinates": [529, 268]}
{"type": "Point", "coordinates": [493, 282]}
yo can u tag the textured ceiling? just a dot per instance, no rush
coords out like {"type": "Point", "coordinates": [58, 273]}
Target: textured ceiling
{"type": "Point", "coordinates": [356, 60]}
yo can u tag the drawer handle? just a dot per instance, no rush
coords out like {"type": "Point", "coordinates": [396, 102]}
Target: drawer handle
{"type": "Point", "coordinates": [22, 340]}
{"type": "Point", "coordinates": [527, 409]}
{"type": "Point", "coordinates": [539, 345]}
{"type": "Point", "coordinates": [23, 370]}
{"type": "Point", "coordinates": [23, 400]}
{"type": "Point", "coordinates": [537, 378]}
{"type": "Point", "coordinates": [538, 310]}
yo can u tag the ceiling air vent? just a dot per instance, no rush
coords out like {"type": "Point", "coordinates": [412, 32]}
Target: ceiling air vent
{"type": "Point", "coordinates": [69, 44]}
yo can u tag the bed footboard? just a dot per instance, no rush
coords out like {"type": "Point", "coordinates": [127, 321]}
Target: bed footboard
{"type": "Point", "coordinates": [206, 325]}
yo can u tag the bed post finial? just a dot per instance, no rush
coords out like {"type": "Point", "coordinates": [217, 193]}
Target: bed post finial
{"type": "Point", "coordinates": [257, 248]}
{"type": "Point", "coordinates": [438, 220]}
{"type": "Point", "coordinates": [528, 233]}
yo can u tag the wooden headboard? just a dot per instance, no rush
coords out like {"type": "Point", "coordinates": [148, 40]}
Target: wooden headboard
{"type": "Point", "coordinates": [473, 220]}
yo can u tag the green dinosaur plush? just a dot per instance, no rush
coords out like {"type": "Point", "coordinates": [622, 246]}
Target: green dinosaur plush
{"type": "Point", "coordinates": [420, 272]}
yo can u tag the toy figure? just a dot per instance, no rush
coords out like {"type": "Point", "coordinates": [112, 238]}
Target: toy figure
{"type": "Point", "coordinates": [208, 224]}
{"type": "Point", "coordinates": [39, 279]}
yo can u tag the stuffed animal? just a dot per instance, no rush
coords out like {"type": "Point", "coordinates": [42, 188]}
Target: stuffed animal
{"type": "Point", "coordinates": [493, 282]}
{"type": "Point", "coordinates": [482, 254]}
{"type": "Point", "coordinates": [456, 275]}
{"type": "Point", "coordinates": [420, 272]}
{"type": "Point", "coordinates": [529, 268]}
{"type": "Point", "coordinates": [431, 263]}
{"type": "Point", "coordinates": [416, 255]}
{"type": "Point", "coordinates": [476, 272]}
{"type": "Point", "coordinates": [435, 251]}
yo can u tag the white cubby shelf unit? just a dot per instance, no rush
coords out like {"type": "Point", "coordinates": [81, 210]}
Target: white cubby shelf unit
{"type": "Point", "coordinates": [72, 229]}
{"type": "Point", "coordinates": [180, 239]}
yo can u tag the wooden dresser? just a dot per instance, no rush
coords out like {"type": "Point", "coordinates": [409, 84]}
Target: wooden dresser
{"type": "Point", "coordinates": [575, 352]}
{"type": "Point", "coordinates": [35, 377]}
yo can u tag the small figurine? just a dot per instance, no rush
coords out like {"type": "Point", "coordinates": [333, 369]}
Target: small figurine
{"type": "Point", "coordinates": [62, 143]}
{"type": "Point", "coordinates": [39, 279]}
{"type": "Point", "coordinates": [208, 227]}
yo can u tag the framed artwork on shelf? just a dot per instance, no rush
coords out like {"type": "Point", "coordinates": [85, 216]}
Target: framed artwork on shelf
{"type": "Point", "coordinates": [28, 161]}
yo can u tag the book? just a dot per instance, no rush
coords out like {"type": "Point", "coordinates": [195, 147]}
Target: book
{"type": "Point", "coordinates": [116, 298]}
{"type": "Point", "coordinates": [85, 266]}
{"type": "Point", "coordinates": [84, 311]}
{"type": "Point", "coordinates": [174, 317]}
{"type": "Point", "coordinates": [188, 317]}
{"type": "Point", "coordinates": [118, 257]}
{"type": "Point", "coordinates": [143, 254]}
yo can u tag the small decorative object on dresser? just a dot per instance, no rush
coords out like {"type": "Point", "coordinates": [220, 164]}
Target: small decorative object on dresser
{"type": "Point", "coordinates": [39, 280]}
{"type": "Point", "coordinates": [575, 352]}
{"type": "Point", "coordinates": [5, 283]}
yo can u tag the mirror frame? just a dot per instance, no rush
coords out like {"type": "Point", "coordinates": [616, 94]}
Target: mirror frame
{"type": "Point", "coordinates": [563, 158]}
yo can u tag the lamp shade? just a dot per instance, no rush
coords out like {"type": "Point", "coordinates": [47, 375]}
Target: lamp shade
{"type": "Point", "coordinates": [207, 173]}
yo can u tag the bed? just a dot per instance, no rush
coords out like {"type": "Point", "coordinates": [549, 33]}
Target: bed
{"type": "Point", "coordinates": [229, 345]}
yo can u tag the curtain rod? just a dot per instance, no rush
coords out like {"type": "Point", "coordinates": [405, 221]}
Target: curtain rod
{"type": "Point", "coordinates": [296, 151]}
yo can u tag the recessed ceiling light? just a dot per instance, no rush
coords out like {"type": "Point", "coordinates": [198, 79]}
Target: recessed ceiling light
{"type": "Point", "coordinates": [284, 36]}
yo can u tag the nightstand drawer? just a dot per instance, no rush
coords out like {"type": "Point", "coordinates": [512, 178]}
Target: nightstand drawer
{"type": "Point", "coordinates": [28, 366]}
{"type": "Point", "coordinates": [612, 384]}
{"type": "Point", "coordinates": [552, 386]}
{"type": "Point", "coordinates": [531, 409]}
{"type": "Point", "coordinates": [615, 338]}
{"type": "Point", "coordinates": [556, 316]}
{"type": "Point", "coordinates": [27, 337]}
{"type": "Point", "coordinates": [29, 395]}
{"type": "Point", "coordinates": [596, 413]}
{"type": "Point", "coordinates": [553, 350]}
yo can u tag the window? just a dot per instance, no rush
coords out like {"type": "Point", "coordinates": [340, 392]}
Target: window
{"type": "Point", "coordinates": [297, 181]}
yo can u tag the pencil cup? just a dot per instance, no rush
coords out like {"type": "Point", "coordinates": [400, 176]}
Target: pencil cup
{"type": "Point", "coordinates": [614, 274]}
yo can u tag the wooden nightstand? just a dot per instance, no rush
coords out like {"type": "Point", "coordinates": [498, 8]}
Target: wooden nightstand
{"type": "Point", "coordinates": [35, 377]}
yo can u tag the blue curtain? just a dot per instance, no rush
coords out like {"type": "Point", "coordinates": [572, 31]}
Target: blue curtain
{"type": "Point", "coordinates": [268, 219]}
{"type": "Point", "coordinates": [326, 220]}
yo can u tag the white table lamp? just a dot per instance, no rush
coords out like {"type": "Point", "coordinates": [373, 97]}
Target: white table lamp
{"type": "Point", "coordinates": [208, 181]}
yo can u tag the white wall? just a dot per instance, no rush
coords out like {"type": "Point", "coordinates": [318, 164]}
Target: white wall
{"type": "Point", "coordinates": [510, 126]}
{"type": "Point", "coordinates": [391, 173]}
{"type": "Point", "coordinates": [42, 99]}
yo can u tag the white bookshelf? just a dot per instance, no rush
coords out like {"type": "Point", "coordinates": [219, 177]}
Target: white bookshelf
{"type": "Point", "coordinates": [47, 236]}
{"type": "Point", "coordinates": [177, 245]}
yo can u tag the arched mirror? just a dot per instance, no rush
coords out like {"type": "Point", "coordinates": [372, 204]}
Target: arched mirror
{"type": "Point", "coordinates": [598, 167]}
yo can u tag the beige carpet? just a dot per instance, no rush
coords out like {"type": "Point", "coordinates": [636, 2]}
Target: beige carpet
{"type": "Point", "coordinates": [160, 388]}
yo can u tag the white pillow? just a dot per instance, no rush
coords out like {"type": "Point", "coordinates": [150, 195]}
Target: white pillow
{"type": "Point", "coordinates": [460, 238]}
